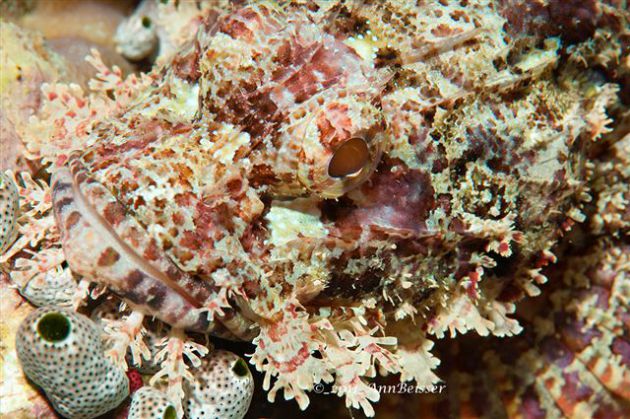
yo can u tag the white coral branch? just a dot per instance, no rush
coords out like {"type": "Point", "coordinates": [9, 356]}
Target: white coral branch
{"type": "Point", "coordinates": [350, 353]}
{"type": "Point", "coordinates": [40, 263]}
{"type": "Point", "coordinates": [417, 363]}
{"type": "Point", "coordinates": [36, 222]}
{"type": "Point", "coordinates": [176, 347]}
{"type": "Point", "coordinates": [461, 316]}
{"type": "Point", "coordinates": [81, 294]}
{"type": "Point", "coordinates": [111, 82]}
{"type": "Point", "coordinates": [126, 335]}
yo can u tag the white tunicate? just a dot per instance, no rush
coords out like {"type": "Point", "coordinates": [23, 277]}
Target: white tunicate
{"type": "Point", "coordinates": [223, 388]}
{"type": "Point", "coordinates": [9, 200]}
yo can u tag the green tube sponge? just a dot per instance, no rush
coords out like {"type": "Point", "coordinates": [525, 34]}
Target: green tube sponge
{"type": "Point", "coordinates": [61, 351]}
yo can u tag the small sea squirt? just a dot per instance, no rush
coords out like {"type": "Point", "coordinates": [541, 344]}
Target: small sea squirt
{"type": "Point", "coordinates": [8, 212]}
{"type": "Point", "coordinates": [223, 388]}
{"type": "Point", "coordinates": [150, 403]}
{"type": "Point", "coordinates": [61, 351]}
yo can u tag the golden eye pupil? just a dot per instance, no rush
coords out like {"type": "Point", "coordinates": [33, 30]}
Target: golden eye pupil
{"type": "Point", "coordinates": [349, 158]}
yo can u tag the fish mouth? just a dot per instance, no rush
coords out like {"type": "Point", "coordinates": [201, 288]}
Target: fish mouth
{"type": "Point", "coordinates": [104, 243]}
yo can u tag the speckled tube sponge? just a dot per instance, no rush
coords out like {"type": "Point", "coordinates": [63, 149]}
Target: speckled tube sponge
{"type": "Point", "coordinates": [8, 211]}
{"type": "Point", "coordinates": [150, 403]}
{"type": "Point", "coordinates": [223, 388]}
{"type": "Point", "coordinates": [61, 351]}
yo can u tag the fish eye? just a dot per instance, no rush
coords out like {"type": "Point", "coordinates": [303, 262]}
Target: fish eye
{"type": "Point", "coordinates": [349, 158]}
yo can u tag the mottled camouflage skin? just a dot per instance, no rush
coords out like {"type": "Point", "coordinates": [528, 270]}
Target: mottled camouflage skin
{"type": "Point", "coordinates": [207, 200]}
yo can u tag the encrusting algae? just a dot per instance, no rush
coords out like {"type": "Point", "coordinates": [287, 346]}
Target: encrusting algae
{"type": "Point", "coordinates": [343, 184]}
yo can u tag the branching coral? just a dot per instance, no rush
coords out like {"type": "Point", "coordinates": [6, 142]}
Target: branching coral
{"type": "Point", "coordinates": [176, 347]}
